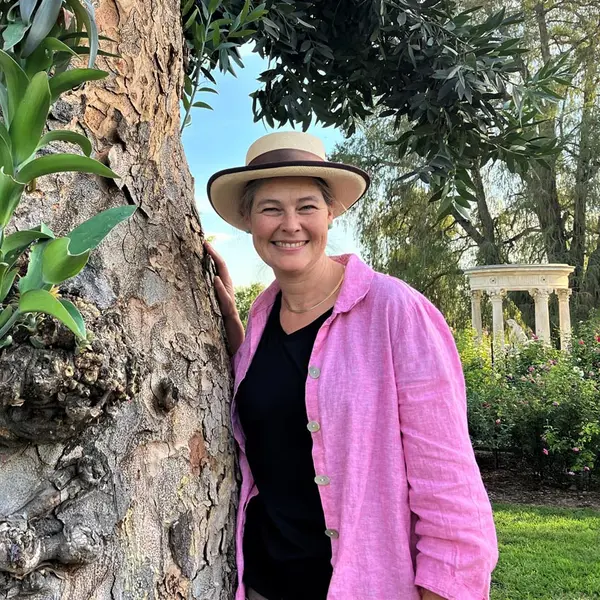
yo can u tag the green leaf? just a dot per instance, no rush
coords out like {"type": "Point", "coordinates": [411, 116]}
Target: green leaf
{"type": "Point", "coordinates": [6, 282]}
{"type": "Point", "coordinates": [54, 44]}
{"type": "Point", "coordinates": [21, 239]}
{"type": "Point", "coordinates": [242, 33]}
{"type": "Point", "coordinates": [213, 5]}
{"type": "Point", "coordinates": [202, 105]}
{"type": "Point", "coordinates": [42, 301]}
{"type": "Point", "coordinates": [60, 163]}
{"type": "Point", "coordinates": [39, 60]}
{"type": "Point", "coordinates": [59, 264]}
{"type": "Point", "coordinates": [187, 7]}
{"type": "Point", "coordinates": [5, 315]}
{"type": "Point", "coordinates": [90, 233]}
{"type": "Point", "coordinates": [257, 13]}
{"type": "Point", "coordinates": [245, 11]}
{"type": "Point", "coordinates": [33, 279]}
{"type": "Point", "coordinates": [84, 50]}
{"type": "Point", "coordinates": [85, 16]}
{"type": "Point", "coordinates": [30, 118]}
{"type": "Point", "coordinates": [16, 84]}
{"type": "Point", "coordinates": [43, 22]}
{"type": "Point", "coordinates": [64, 135]}
{"type": "Point", "coordinates": [6, 160]}
{"type": "Point", "coordinates": [191, 19]}
{"type": "Point", "coordinates": [207, 89]}
{"type": "Point", "coordinates": [15, 243]}
{"type": "Point", "coordinates": [68, 80]}
{"type": "Point", "coordinates": [84, 35]}
{"type": "Point", "coordinates": [27, 7]}
{"type": "Point", "coordinates": [75, 315]}
{"type": "Point", "coordinates": [13, 34]}
{"type": "Point", "coordinates": [10, 196]}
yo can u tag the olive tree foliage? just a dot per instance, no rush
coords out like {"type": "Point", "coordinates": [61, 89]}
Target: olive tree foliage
{"type": "Point", "coordinates": [454, 77]}
{"type": "Point", "coordinates": [213, 34]}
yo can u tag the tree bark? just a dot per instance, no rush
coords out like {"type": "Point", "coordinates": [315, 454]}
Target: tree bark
{"type": "Point", "coordinates": [117, 476]}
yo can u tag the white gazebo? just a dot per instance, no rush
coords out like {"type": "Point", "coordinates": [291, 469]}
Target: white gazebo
{"type": "Point", "coordinates": [539, 280]}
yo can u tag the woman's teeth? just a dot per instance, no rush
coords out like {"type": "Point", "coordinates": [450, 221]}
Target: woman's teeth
{"type": "Point", "coordinates": [289, 244]}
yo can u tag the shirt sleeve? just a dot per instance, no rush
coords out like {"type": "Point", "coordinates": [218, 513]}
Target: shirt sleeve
{"type": "Point", "coordinates": [456, 538]}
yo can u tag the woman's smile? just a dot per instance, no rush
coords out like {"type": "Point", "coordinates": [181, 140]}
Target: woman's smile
{"type": "Point", "coordinates": [287, 246]}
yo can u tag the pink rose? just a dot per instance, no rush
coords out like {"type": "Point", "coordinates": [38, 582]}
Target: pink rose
{"type": "Point", "coordinates": [545, 451]}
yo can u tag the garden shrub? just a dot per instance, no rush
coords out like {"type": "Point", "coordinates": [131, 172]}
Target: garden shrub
{"type": "Point", "coordinates": [541, 404]}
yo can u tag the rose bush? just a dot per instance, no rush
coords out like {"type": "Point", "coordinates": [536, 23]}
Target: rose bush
{"type": "Point", "coordinates": [538, 403]}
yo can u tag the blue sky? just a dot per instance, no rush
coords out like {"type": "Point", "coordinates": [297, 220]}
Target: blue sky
{"type": "Point", "coordinates": [219, 139]}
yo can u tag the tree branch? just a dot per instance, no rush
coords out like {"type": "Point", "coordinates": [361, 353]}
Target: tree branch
{"type": "Point", "coordinates": [468, 228]}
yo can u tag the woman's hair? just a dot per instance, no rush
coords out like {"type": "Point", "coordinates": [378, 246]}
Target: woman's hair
{"type": "Point", "coordinates": [252, 187]}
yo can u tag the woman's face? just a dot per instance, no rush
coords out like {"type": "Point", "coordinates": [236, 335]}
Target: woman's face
{"type": "Point", "coordinates": [289, 221]}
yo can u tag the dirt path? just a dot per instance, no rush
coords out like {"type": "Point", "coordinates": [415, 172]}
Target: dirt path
{"type": "Point", "coordinates": [509, 486]}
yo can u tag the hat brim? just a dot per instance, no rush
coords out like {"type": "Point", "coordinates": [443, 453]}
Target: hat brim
{"type": "Point", "coordinates": [225, 188]}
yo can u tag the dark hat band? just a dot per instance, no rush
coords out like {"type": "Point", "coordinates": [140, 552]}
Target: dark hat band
{"type": "Point", "coordinates": [284, 155]}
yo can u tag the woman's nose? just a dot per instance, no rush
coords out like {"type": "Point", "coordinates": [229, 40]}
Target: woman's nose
{"type": "Point", "coordinates": [290, 222]}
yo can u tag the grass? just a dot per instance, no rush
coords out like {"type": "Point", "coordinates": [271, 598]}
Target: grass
{"type": "Point", "coordinates": [547, 554]}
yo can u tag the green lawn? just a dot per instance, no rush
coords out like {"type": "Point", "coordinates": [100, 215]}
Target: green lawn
{"type": "Point", "coordinates": [547, 554]}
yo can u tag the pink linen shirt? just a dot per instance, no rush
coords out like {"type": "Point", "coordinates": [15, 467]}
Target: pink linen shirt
{"type": "Point", "coordinates": [402, 495]}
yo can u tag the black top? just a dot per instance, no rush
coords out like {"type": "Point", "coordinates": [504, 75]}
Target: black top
{"type": "Point", "coordinates": [287, 555]}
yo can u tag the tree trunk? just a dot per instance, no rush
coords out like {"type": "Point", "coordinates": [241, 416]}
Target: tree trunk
{"type": "Point", "coordinates": [584, 174]}
{"type": "Point", "coordinates": [117, 476]}
{"type": "Point", "coordinates": [541, 182]}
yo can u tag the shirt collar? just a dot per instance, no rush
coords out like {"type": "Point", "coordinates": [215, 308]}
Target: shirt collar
{"type": "Point", "coordinates": [357, 282]}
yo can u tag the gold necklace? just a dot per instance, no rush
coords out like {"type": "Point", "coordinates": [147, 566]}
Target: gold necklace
{"type": "Point", "coordinates": [305, 310]}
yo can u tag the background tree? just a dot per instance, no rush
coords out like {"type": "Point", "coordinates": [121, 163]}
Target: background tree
{"type": "Point", "coordinates": [245, 296]}
{"type": "Point", "coordinates": [398, 228]}
{"type": "Point", "coordinates": [548, 212]}
{"type": "Point", "coordinates": [449, 74]}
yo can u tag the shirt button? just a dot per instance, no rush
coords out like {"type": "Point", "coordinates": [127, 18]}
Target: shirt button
{"type": "Point", "coordinates": [332, 533]}
{"type": "Point", "coordinates": [314, 372]}
{"type": "Point", "coordinates": [313, 426]}
{"type": "Point", "coordinates": [322, 480]}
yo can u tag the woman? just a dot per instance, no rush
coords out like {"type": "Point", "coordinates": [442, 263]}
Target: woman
{"type": "Point", "coordinates": [358, 476]}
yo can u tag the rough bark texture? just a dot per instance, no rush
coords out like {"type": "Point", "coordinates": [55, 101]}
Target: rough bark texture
{"type": "Point", "coordinates": [117, 476]}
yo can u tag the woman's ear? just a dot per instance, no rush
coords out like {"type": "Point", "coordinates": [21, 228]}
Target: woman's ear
{"type": "Point", "coordinates": [329, 219]}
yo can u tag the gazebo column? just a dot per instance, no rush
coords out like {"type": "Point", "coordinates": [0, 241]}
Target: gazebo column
{"type": "Point", "coordinates": [564, 314]}
{"type": "Point", "coordinates": [476, 296]}
{"type": "Point", "coordinates": [542, 316]}
{"type": "Point", "coordinates": [496, 296]}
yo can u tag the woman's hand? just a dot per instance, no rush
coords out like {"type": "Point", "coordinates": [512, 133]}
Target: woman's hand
{"type": "Point", "coordinates": [226, 298]}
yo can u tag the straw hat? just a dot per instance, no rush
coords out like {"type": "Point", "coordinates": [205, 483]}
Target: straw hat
{"type": "Point", "coordinates": [285, 154]}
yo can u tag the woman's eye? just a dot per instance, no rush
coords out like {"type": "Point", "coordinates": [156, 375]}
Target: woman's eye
{"type": "Point", "coordinates": [270, 209]}
{"type": "Point", "coordinates": [308, 207]}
